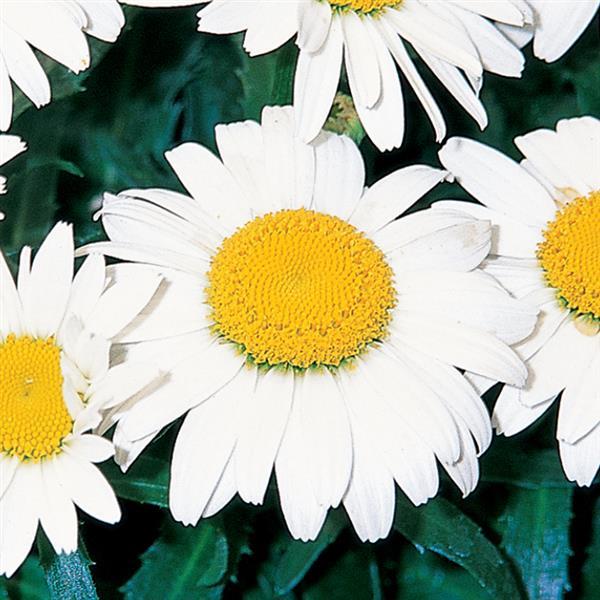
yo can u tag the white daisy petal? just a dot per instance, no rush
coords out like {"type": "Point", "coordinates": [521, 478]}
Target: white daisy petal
{"type": "Point", "coordinates": [208, 181]}
{"type": "Point", "coordinates": [563, 358]}
{"type": "Point", "coordinates": [370, 498]}
{"type": "Point", "coordinates": [465, 347]}
{"type": "Point", "coordinates": [511, 416]}
{"type": "Point", "coordinates": [8, 466]}
{"type": "Point", "coordinates": [262, 417]}
{"type": "Point", "coordinates": [303, 514]}
{"type": "Point", "coordinates": [559, 24]}
{"type": "Point", "coordinates": [90, 447]}
{"type": "Point", "coordinates": [87, 488]}
{"type": "Point", "coordinates": [224, 491]}
{"type": "Point", "coordinates": [400, 445]}
{"type": "Point", "coordinates": [339, 175]}
{"type": "Point", "coordinates": [398, 51]}
{"type": "Point", "coordinates": [11, 315]}
{"type": "Point", "coordinates": [290, 162]}
{"type": "Point", "coordinates": [204, 445]}
{"type": "Point", "coordinates": [57, 513]}
{"type": "Point", "coordinates": [50, 281]}
{"type": "Point", "coordinates": [326, 435]}
{"type": "Point", "coordinates": [384, 120]}
{"type": "Point", "coordinates": [497, 181]}
{"type": "Point", "coordinates": [380, 204]}
{"type": "Point", "coordinates": [19, 517]}
{"type": "Point", "coordinates": [579, 406]}
{"type": "Point", "coordinates": [362, 65]}
{"type": "Point", "coordinates": [315, 21]}
{"type": "Point", "coordinates": [581, 459]}
{"type": "Point", "coordinates": [316, 82]}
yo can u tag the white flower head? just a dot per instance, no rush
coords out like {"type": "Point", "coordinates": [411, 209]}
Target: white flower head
{"type": "Point", "coordinates": [457, 40]}
{"type": "Point", "coordinates": [58, 29]}
{"type": "Point", "coordinates": [546, 247]}
{"type": "Point", "coordinates": [55, 333]}
{"type": "Point", "coordinates": [306, 330]}
{"type": "Point", "coordinates": [558, 25]}
{"type": "Point", "coordinates": [10, 146]}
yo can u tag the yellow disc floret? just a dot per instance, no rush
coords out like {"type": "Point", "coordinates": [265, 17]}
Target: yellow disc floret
{"type": "Point", "coordinates": [33, 416]}
{"type": "Point", "coordinates": [364, 6]}
{"type": "Point", "coordinates": [570, 255]}
{"type": "Point", "coordinates": [300, 288]}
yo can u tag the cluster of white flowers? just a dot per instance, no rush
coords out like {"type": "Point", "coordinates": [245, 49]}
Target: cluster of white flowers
{"type": "Point", "coordinates": [302, 322]}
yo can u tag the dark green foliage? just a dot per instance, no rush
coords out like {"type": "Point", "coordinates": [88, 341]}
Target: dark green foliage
{"type": "Point", "coordinates": [186, 562]}
{"type": "Point", "coordinates": [442, 528]}
{"type": "Point", "coordinates": [524, 533]}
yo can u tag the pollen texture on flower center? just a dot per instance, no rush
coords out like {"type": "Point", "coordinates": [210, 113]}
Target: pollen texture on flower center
{"type": "Point", "coordinates": [300, 288]}
{"type": "Point", "coordinates": [570, 255]}
{"type": "Point", "coordinates": [364, 6]}
{"type": "Point", "coordinates": [33, 416]}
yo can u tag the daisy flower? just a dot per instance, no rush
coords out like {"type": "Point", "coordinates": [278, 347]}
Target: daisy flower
{"type": "Point", "coordinates": [546, 216]}
{"type": "Point", "coordinates": [457, 40]}
{"type": "Point", "coordinates": [55, 333]}
{"type": "Point", "coordinates": [10, 146]}
{"type": "Point", "coordinates": [306, 330]}
{"type": "Point", "coordinates": [58, 30]}
{"type": "Point", "coordinates": [558, 25]}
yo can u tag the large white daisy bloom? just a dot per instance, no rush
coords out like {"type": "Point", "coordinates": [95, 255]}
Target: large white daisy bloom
{"type": "Point", "coordinates": [55, 333]}
{"type": "Point", "coordinates": [306, 330]}
{"type": "Point", "coordinates": [457, 40]}
{"type": "Point", "coordinates": [558, 25]}
{"type": "Point", "coordinates": [58, 29]}
{"type": "Point", "coordinates": [10, 146]}
{"type": "Point", "coordinates": [546, 216]}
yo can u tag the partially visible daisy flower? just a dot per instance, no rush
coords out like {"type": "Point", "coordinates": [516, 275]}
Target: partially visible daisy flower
{"type": "Point", "coordinates": [558, 25]}
{"type": "Point", "coordinates": [457, 40]}
{"type": "Point", "coordinates": [55, 333]}
{"type": "Point", "coordinates": [306, 330]}
{"type": "Point", "coordinates": [58, 30]}
{"type": "Point", "coordinates": [546, 216]}
{"type": "Point", "coordinates": [10, 146]}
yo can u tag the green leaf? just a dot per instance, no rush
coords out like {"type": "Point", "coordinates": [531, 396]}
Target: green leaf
{"type": "Point", "coordinates": [28, 583]}
{"type": "Point", "coordinates": [430, 577]}
{"type": "Point", "coordinates": [298, 557]}
{"type": "Point", "coordinates": [591, 567]}
{"type": "Point", "coordinates": [257, 76]}
{"type": "Point", "coordinates": [62, 81]}
{"type": "Point", "coordinates": [441, 527]}
{"type": "Point", "coordinates": [67, 575]}
{"type": "Point", "coordinates": [283, 80]}
{"type": "Point", "coordinates": [185, 562]}
{"type": "Point", "coordinates": [535, 534]}
{"type": "Point", "coordinates": [526, 469]}
{"type": "Point", "coordinates": [147, 480]}
{"type": "Point", "coordinates": [354, 575]}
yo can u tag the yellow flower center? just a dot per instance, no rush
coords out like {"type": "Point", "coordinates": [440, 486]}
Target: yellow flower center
{"type": "Point", "coordinates": [364, 6]}
{"type": "Point", "coordinates": [570, 255]}
{"type": "Point", "coordinates": [33, 416]}
{"type": "Point", "coordinates": [300, 288]}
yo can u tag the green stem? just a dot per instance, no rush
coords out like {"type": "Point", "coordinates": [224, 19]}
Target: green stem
{"type": "Point", "coordinates": [285, 68]}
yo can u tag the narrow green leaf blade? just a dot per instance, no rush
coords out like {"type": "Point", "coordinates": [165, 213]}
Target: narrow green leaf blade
{"type": "Point", "coordinates": [298, 557]}
{"type": "Point", "coordinates": [194, 559]}
{"type": "Point", "coordinates": [535, 535]}
{"type": "Point", "coordinates": [147, 481]}
{"type": "Point", "coordinates": [442, 528]}
{"type": "Point", "coordinates": [354, 575]}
